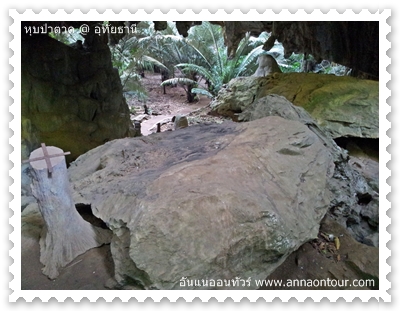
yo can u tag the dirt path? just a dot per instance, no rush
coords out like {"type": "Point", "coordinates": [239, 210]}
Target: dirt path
{"type": "Point", "coordinates": [163, 106]}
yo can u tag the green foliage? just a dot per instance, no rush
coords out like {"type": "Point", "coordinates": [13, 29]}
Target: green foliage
{"type": "Point", "coordinates": [130, 57]}
{"type": "Point", "coordinates": [202, 92]}
{"type": "Point", "coordinates": [132, 110]}
{"type": "Point", "coordinates": [180, 81]}
{"type": "Point", "coordinates": [293, 63]}
{"type": "Point", "coordinates": [220, 69]}
{"type": "Point", "coordinates": [297, 63]}
{"type": "Point", "coordinates": [67, 37]}
{"type": "Point", "coordinates": [203, 56]}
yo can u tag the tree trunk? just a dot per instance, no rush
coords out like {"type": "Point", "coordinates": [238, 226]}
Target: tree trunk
{"type": "Point", "coordinates": [189, 95]}
{"type": "Point", "coordinates": [65, 234]}
{"type": "Point", "coordinates": [164, 76]}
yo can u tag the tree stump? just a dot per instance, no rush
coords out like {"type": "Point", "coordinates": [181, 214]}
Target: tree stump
{"type": "Point", "coordinates": [65, 234]}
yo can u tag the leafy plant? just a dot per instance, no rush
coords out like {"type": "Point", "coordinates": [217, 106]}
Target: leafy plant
{"type": "Point", "coordinates": [292, 64]}
{"type": "Point", "coordinates": [67, 37]}
{"type": "Point", "coordinates": [130, 57]}
{"type": "Point", "coordinates": [207, 59]}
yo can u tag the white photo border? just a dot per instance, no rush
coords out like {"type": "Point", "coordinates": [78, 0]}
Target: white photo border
{"type": "Point", "coordinates": [253, 15]}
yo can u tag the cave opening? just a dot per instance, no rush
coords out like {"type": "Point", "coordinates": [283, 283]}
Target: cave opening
{"type": "Point", "coordinates": [360, 146]}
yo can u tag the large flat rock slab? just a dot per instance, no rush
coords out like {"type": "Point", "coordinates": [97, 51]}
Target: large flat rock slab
{"type": "Point", "coordinates": [198, 207]}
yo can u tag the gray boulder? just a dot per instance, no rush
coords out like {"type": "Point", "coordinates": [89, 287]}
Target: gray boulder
{"type": "Point", "coordinates": [198, 207]}
{"type": "Point", "coordinates": [355, 185]}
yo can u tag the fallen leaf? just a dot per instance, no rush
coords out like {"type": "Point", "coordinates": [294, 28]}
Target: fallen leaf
{"type": "Point", "coordinates": [337, 243]}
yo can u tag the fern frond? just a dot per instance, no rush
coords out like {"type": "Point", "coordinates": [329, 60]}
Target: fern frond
{"type": "Point", "coordinates": [249, 59]}
{"type": "Point", "coordinates": [202, 92]}
{"type": "Point", "coordinates": [153, 61]}
{"type": "Point", "coordinates": [180, 81]}
{"type": "Point", "coordinates": [199, 70]}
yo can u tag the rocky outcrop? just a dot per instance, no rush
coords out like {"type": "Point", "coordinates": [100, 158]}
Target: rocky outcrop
{"type": "Point", "coordinates": [266, 65]}
{"type": "Point", "coordinates": [71, 97]}
{"type": "Point", "coordinates": [207, 202]}
{"type": "Point", "coordinates": [355, 186]}
{"type": "Point", "coordinates": [344, 106]}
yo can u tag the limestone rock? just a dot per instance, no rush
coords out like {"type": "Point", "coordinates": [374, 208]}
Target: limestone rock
{"type": "Point", "coordinates": [180, 122]}
{"type": "Point", "coordinates": [238, 94]}
{"type": "Point", "coordinates": [355, 185]}
{"type": "Point", "coordinates": [266, 65]}
{"type": "Point", "coordinates": [31, 227]}
{"type": "Point", "coordinates": [344, 106]}
{"type": "Point", "coordinates": [70, 97]}
{"type": "Point", "coordinates": [207, 202]}
{"type": "Point", "coordinates": [274, 105]}
{"type": "Point", "coordinates": [342, 42]}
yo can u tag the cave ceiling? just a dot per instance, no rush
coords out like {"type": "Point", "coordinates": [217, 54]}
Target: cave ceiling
{"type": "Point", "coordinates": [350, 43]}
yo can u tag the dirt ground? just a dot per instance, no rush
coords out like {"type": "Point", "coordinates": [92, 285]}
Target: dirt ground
{"type": "Point", "coordinates": [174, 101]}
{"type": "Point", "coordinates": [163, 107]}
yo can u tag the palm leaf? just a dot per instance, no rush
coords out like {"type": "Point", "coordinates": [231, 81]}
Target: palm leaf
{"type": "Point", "coordinates": [153, 61]}
{"type": "Point", "coordinates": [202, 92]}
{"type": "Point", "coordinates": [180, 81]}
{"type": "Point", "coordinates": [216, 46]}
{"type": "Point", "coordinates": [201, 56]}
{"type": "Point", "coordinates": [174, 38]}
{"type": "Point", "coordinates": [199, 70]}
{"type": "Point", "coordinates": [240, 49]}
{"type": "Point", "coordinates": [249, 59]}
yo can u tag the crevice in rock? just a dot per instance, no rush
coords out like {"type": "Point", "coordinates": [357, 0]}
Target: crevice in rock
{"type": "Point", "coordinates": [85, 210]}
{"type": "Point", "coordinates": [360, 146]}
{"type": "Point", "coordinates": [364, 199]}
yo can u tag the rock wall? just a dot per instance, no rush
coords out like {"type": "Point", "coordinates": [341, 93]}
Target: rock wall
{"type": "Point", "coordinates": [71, 97]}
{"type": "Point", "coordinates": [344, 106]}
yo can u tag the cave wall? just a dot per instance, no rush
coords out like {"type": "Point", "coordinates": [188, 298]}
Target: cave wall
{"type": "Point", "coordinates": [349, 43]}
{"type": "Point", "coordinates": [71, 96]}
